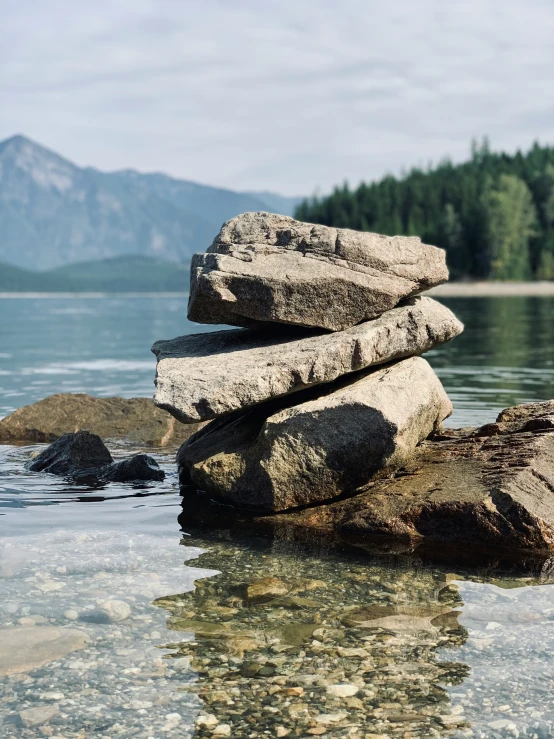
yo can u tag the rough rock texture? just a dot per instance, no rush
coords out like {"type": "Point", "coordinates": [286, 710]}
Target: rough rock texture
{"type": "Point", "coordinates": [25, 648]}
{"type": "Point", "coordinates": [135, 419]}
{"type": "Point", "coordinates": [140, 467]}
{"type": "Point", "coordinates": [203, 376]}
{"type": "Point", "coordinates": [268, 268]}
{"type": "Point", "coordinates": [84, 458]}
{"type": "Point", "coordinates": [278, 457]}
{"type": "Point", "coordinates": [465, 486]}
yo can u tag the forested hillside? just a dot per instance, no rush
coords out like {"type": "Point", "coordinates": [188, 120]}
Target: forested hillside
{"type": "Point", "coordinates": [493, 214]}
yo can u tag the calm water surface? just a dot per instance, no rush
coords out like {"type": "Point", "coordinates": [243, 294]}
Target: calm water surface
{"type": "Point", "coordinates": [343, 642]}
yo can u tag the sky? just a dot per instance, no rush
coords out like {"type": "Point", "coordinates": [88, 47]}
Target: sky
{"type": "Point", "coordinates": [293, 96]}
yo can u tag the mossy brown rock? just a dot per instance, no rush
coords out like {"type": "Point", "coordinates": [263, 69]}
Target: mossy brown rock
{"type": "Point", "coordinates": [264, 269]}
{"type": "Point", "coordinates": [137, 420]}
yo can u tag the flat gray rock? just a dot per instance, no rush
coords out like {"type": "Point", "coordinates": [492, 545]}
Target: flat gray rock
{"type": "Point", "coordinates": [26, 648]}
{"type": "Point", "coordinates": [266, 268]}
{"type": "Point", "coordinates": [203, 376]}
{"type": "Point", "coordinates": [283, 455]}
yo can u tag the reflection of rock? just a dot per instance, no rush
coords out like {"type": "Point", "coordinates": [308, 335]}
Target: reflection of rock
{"type": "Point", "coordinates": [317, 449]}
{"type": "Point", "coordinates": [270, 268]}
{"type": "Point", "coordinates": [84, 458]}
{"type": "Point", "coordinates": [137, 420]}
{"type": "Point", "coordinates": [203, 376]}
{"type": "Point", "coordinates": [335, 661]}
{"type": "Point", "coordinates": [28, 647]}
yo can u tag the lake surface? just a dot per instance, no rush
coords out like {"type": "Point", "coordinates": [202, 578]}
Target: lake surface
{"type": "Point", "coordinates": [353, 642]}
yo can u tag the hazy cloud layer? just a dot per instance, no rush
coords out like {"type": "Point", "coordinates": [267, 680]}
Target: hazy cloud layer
{"type": "Point", "coordinates": [276, 94]}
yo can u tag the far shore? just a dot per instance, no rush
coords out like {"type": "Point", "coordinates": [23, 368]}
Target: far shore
{"type": "Point", "coordinates": [491, 289]}
{"type": "Point", "coordinates": [94, 295]}
{"type": "Point", "coordinates": [448, 290]}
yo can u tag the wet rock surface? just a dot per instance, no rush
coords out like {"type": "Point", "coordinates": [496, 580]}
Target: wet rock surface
{"type": "Point", "coordinates": [202, 376]}
{"type": "Point", "coordinates": [318, 449]}
{"type": "Point", "coordinates": [73, 455]}
{"type": "Point", "coordinates": [84, 458]}
{"type": "Point", "coordinates": [265, 268]}
{"type": "Point", "coordinates": [139, 467]}
{"type": "Point", "coordinates": [137, 420]}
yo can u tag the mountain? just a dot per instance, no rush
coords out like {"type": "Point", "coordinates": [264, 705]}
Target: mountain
{"type": "Point", "coordinates": [118, 274]}
{"type": "Point", "coordinates": [54, 213]}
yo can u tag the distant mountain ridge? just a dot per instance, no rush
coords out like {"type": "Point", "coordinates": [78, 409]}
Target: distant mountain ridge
{"type": "Point", "coordinates": [115, 275]}
{"type": "Point", "coordinates": [54, 213]}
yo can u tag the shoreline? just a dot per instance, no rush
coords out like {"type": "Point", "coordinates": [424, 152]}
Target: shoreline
{"type": "Point", "coordinates": [492, 289]}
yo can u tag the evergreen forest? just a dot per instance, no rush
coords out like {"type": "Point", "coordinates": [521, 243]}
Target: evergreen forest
{"type": "Point", "coordinates": [494, 214]}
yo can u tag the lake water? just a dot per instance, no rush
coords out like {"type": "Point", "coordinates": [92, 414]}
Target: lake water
{"type": "Point", "coordinates": [356, 642]}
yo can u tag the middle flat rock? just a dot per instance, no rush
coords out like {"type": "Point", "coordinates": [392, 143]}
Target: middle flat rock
{"type": "Point", "coordinates": [283, 455]}
{"type": "Point", "coordinates": [203, 376]}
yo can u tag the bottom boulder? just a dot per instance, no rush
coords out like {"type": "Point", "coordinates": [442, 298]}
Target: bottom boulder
{"type": "Point", "coordinates": [489, 488]}
{"type": "Point", "coordinates": [318, 444]}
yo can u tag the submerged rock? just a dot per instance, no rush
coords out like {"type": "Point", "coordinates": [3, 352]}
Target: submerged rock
{"type": "Point", "coordinates": [85, 458]}
{"type": "Point", "coordinates": [136, 419]}
{"type": "Point", "coordinates": [37, 715]}
{"type": "Point", "coordinates": [25, 648]}
{"type": "Point", "coordinates": [203, 376]}
{"type": "Point", "coordinates": [108, 612]}
{"type": "Point", "coordinates": [265, 589]}
{"type": "Point", "coordinates": [265, 268]}
{"type": "Point", "coordinates": [279, 457]}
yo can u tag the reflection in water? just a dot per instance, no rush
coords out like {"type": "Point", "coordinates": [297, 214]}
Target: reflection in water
{"type": "Point", "coordinates": [292, 641]}
{"type": "Point", "coordinates": [504, 357]}
{"type": "Point", "coordinates": [266, 636]}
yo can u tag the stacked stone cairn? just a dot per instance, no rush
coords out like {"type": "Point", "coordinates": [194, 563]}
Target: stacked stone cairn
{"type": "Point", "coordinates": [322, 390]}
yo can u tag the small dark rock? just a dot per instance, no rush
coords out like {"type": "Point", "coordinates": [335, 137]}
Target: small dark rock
{"type": "Point", "coordinates": [250, 669]}
{"type": "Point", "coordinates": [139, 467]}
{"type": "Point", "coordinates": [86, 460]}
{"type": "Point", "coordinates": [73, 454]}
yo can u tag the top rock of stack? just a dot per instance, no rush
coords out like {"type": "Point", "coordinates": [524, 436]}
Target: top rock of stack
{"type": "Point", "coordinates": [264, 268]}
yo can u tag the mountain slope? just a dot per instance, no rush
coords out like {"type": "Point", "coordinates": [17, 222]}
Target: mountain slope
{"type": "Point", "coordinates": [54, 213]}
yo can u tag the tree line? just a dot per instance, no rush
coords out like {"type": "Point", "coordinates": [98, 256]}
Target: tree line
{"type": "Point", "coordinates": [494, 214]}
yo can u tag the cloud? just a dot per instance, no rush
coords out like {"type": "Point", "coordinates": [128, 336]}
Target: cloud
{"type": "Point", "coordinates": [276, 95]}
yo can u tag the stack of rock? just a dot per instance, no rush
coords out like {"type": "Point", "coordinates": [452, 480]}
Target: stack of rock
{"type": "Point", "coordinates": [322, 390]}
